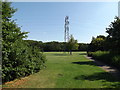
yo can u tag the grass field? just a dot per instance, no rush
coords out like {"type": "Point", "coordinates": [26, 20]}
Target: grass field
{"type": "Point", "coordinates": [67, 71]}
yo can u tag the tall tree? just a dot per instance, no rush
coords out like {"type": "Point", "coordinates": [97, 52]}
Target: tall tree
{"type": "Point", "coordinates": [97, 43]}
{"type": "Point", "coordinates": [72, 44]}
{"type": "Point", "coordinates": [83, 46]}
{"type": "Point", "coordinates": [12, 44]}
{"type": "Point", "coordinates": [114, 35]}
{"type": "Point", "coordinates": [18, 59]}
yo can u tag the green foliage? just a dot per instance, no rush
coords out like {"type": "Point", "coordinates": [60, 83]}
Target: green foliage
{"type": "Point", "coordinates": [109, 46]}
{"type": "Point", "coordinates": [107, 57]}
{"type": "Point", "coordinates": [97, 43]}
{"type": "Point", "coordinates": [114, 35]}
{"type": "Point", "coordinates": [55, 46]}
{"type": "Point", "coordinates": [83, 47]}
{"type": "Point", "coordinates": [32, 43]}
{"type": "Point", "coordinates": [19, 59]}
{"type": "Point", "coordinates": [72, 44]}
{"type": "Point", "coordinates": [116, 60]}
{"type": "Point", "coordinates": [7, 11]}
{"type": "Point", "coordinates": [109, 43]}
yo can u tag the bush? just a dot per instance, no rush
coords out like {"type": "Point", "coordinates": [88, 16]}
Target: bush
{"type": "Point", "coordinates": [101, 55]}
{"type": "Point", "coordinates": [106, 57]}
{"type": "Point", "coordinates": [116, 61]}
{"type": "Point", "coordinates": [89, 54]}
{"type": "Point", "coordinates": [19, 59]}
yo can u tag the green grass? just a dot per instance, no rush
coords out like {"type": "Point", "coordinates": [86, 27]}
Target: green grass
{"type": "Point", "coordinates": [68, 71]}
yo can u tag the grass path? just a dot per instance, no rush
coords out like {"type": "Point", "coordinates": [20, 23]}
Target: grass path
{"type": "Point", "coordinates": [67, 71]}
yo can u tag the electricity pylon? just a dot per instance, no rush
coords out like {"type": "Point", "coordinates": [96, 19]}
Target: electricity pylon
{"type": "Point", "coordinates": [119, 9]}
{"type": "Point", "coordinates": [66, 37]}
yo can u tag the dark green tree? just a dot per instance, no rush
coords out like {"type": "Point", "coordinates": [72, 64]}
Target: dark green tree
{"type": "Point", "coordinates": [18, 59]}
{"type": "Point", "coordinates": [83, 46]}
{"type": "Point", "coordinates": [97, 43]}
{"type": "Point", "coordinates": [11, 41]}
{"type": "Point", "coordinates": [114, 35]}
{"type": "Point", "coordinates": [38, 44]}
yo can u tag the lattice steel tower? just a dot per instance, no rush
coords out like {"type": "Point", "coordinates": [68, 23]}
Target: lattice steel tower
{"type": "Point", "coordinates": [119, 9]}
{"type": "Point", "coordinates": [66, 37]}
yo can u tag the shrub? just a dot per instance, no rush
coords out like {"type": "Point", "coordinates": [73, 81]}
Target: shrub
{"type": "Point", "coordinates": [19, 59]}
{"type": "Point", "coordinates": [116, 61]}
{"type": "Point", "coordinates": [106, 57]}
{"type": "Point", "coordinates": [89, 54]}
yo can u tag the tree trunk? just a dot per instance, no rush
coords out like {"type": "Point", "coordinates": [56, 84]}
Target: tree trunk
{"type": "Point", "coordinates": [70, 52]}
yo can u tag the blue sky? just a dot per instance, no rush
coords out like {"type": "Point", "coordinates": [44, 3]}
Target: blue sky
{"type": "Point", "coordinates": [45, 20]}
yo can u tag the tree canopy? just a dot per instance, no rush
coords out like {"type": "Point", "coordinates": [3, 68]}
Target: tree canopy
{"type": "Point", "coordinates": [110, 42]}
{"type": "Point", "coordinates": [97, 43]}
{"type": "Point", "coordinates": [18, 58]}
{"type": "Point", "coordinates": [114, 35]}
{"type": "Point", "coordinates": [72, 44]}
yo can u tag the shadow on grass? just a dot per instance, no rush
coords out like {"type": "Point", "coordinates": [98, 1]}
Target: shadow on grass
{"type": "Point", "coordinates": [85, 63]}
{"type": "Point", "coordinates": [104, 76]}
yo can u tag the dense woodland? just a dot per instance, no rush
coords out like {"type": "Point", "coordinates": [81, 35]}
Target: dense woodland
{"type": "Point", "coordinates": [22, 57]}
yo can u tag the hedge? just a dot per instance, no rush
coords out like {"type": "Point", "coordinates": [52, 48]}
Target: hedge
{"type": "Point", "coordinates": [106, 57]}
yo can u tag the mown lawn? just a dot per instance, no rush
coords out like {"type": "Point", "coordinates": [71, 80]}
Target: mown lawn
{"type": "Point", "coordinates": [67, 71]}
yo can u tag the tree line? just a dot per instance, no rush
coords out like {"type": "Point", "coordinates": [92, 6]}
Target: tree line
{"type": "Point", "coordinates": [109, 43]}
{"type": "Point", "coordinates": [107, 49]}
{"type": "Point", "coordinates": [56, 46]}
